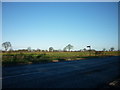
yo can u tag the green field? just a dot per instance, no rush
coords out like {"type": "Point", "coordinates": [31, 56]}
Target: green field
{"type": "Point", "coordinates": [11, 58]}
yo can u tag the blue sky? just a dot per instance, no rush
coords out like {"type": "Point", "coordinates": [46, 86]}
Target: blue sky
{"type": "Point", "coordinates": [42, 25]}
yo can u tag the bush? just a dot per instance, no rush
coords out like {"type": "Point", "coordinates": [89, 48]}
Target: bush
{"type": "Point", "coordinates": [61, 59]}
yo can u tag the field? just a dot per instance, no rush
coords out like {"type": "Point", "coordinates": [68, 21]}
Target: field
{"type": "Point", "coordinates": [13, 58]}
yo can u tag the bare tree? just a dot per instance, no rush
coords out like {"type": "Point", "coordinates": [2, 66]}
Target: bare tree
{"type": "Point", "coordinates": [6, 45]}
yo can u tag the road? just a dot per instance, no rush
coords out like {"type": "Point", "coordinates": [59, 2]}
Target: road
{"type": "Point", "coordinates": [87, 73]}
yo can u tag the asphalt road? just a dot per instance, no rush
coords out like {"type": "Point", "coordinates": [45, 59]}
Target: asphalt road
{"type": "Point", "coordinates": [88, 73]}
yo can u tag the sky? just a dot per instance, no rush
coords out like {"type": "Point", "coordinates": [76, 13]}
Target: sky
{"type": "Point", "coordinates": [60, 0]}
{"type": "Point", "coordinates": [57, 24]}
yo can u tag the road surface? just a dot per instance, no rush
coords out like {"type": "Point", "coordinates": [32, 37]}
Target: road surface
{"type": "Point", "coordinates": [87, 73]}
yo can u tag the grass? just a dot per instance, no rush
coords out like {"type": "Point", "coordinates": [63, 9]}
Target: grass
{"type": "Point", "coordinates": [15, 58]}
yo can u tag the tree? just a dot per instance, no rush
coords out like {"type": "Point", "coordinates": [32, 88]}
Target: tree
{"type": "Point", "coordinates": [104, 49]}
{"type": "Point", "coordinates": [64, 49]}
{"type": "Point", "coordinates": [6, 45]}
{"type": "Point", "coordinates": [112, 49]}
{"type": "Point", "coordinates": [59, 50]}
{"type": "Point", "coordinates": [38, 50]}
{"type": "Point", "coordinates": [51, 49]}
{"type": "Point", "coordinates": [84, 49]}
{"type": "Point", "coordinates": [11, 49]}
{"type": "Point", "coordinates": [29, 49]}
{"type": "Point", "coordinates": [69, 47]}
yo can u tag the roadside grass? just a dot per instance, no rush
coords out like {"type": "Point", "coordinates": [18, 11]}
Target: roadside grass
{"type": "Point", "coordinates": [16, 58]}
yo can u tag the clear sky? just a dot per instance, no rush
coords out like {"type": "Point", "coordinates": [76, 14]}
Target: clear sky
{"type": "Point", "coordinates": [42, 25]}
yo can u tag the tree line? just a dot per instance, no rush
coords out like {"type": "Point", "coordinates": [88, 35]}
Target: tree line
{"type": "Point", "coordinates": [8, 47]}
